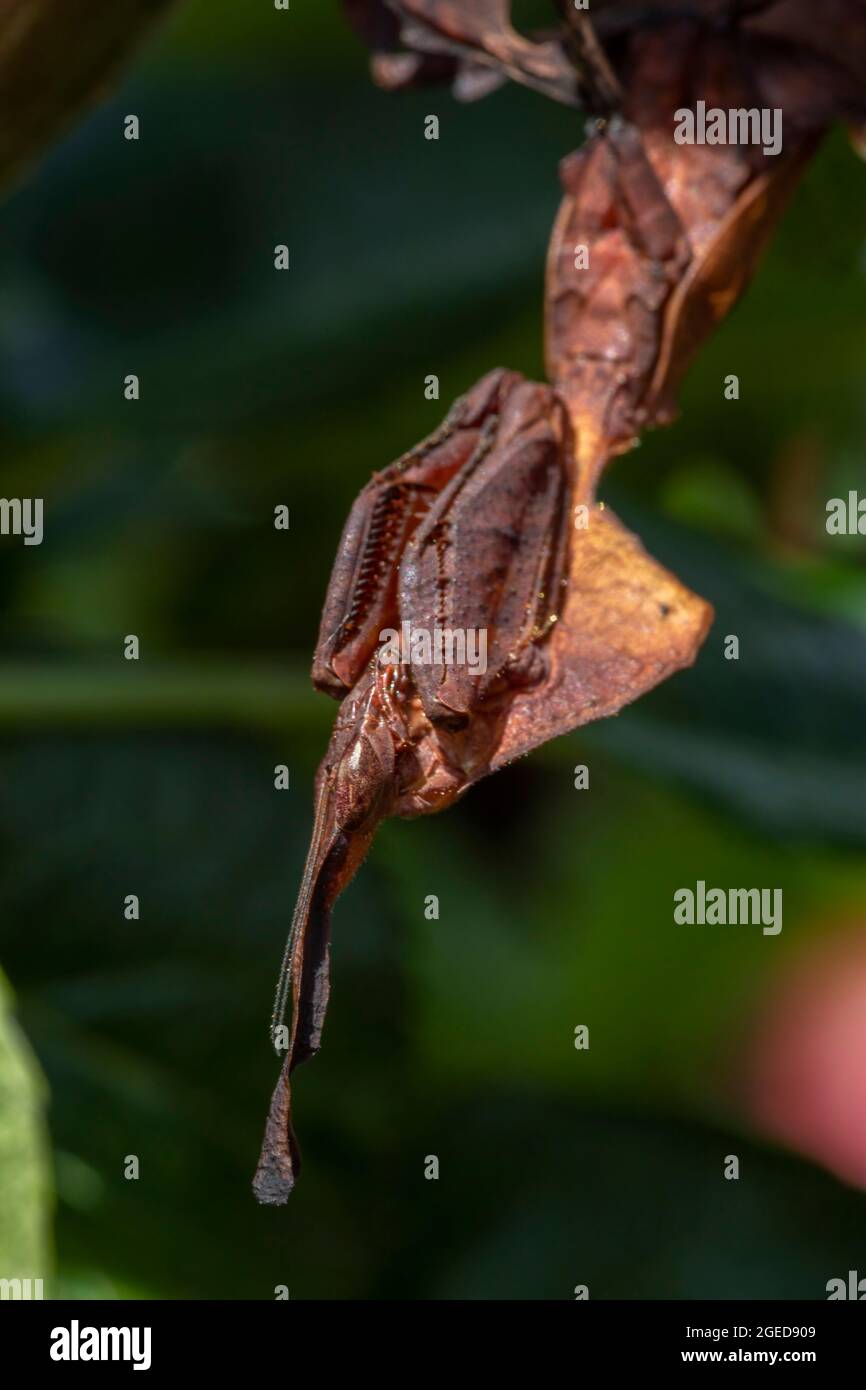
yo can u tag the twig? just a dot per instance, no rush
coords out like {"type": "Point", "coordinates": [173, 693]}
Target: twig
{"type": "Point", "coordinates": [604, 93]}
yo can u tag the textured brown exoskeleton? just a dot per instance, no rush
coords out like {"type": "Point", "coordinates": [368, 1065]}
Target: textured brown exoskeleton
{"type": "Point", "coordinates": [492, 524]}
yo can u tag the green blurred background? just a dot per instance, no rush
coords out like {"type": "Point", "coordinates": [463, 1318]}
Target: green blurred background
{"type": "Point", "coordinates": [451, 1037]}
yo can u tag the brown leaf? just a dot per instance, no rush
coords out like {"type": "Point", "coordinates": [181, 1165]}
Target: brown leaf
{"type": "Point", "coordinates": [416, 41]}
{"type": "Point", "coordinates": [627, 625]}
{"type": "Point", "coordinates": [671, 235]}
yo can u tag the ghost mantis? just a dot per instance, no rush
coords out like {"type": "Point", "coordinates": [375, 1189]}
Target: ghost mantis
{"type": "Point", "coordinates": [492, 522]}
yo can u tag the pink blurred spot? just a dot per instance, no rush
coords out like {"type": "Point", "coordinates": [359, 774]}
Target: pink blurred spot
{"type": "Point", "coordinates": [806, 1079]}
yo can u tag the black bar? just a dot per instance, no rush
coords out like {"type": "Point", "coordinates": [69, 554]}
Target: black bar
{"type": "Point", "coordinates": [258, 1339]}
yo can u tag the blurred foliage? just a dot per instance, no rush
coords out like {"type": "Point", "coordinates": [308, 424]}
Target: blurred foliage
{"type": "Point", "coordinates": [26, 1186]}
{"type": "Point", "coordinates": [452, 1037]}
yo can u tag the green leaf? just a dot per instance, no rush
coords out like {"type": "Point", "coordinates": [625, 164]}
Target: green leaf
{"type": "Point", "coordinates": [25, 1182]}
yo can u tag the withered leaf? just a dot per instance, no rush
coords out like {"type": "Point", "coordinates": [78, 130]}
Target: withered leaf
{"type": "Point", "coordinates": [475, 44]}
{"type": "Point", "coordinates": [627, 625]}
